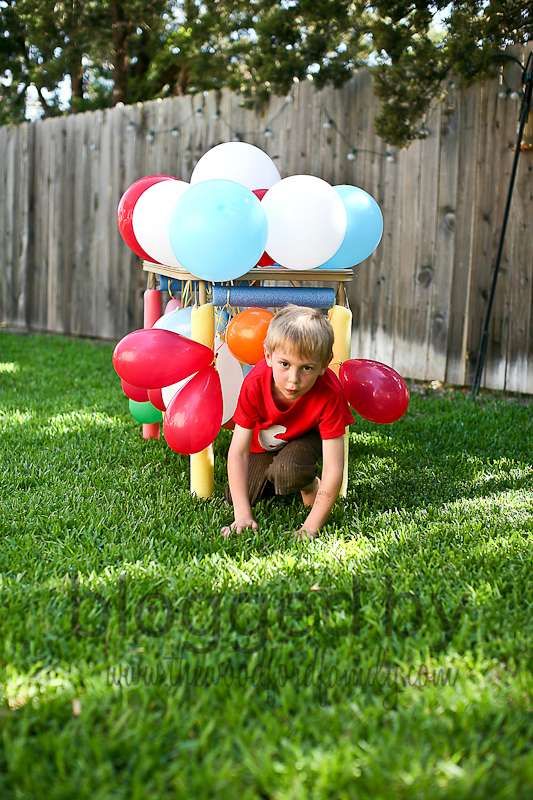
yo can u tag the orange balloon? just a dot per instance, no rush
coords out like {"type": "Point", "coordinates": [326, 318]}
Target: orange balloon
{"type": "Point", "coordinates": [246, 333]}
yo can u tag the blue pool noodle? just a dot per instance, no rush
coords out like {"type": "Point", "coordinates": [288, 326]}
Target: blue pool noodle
{"type": "Point", "coordinates": [273, 296]}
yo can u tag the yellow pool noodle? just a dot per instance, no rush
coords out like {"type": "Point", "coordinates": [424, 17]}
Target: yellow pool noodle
{"type": "Point", "coordinates": [202, 481]}
{"type": "Point", "coordinates": [341, 322]}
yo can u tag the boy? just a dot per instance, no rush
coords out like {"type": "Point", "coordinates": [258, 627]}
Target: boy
{"type": "Point", "coordinates": [290, 410]}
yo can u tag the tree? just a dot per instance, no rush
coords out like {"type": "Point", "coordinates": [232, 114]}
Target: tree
{"type": "Point", "coordinates": [109, 51]}
{"type": "Point", "coordinates": [44, 43]}
{"type": "Point", "coordinates": [127, 50]}
{"type": "Point", "coordinates": [414, 59]}
{"type": "Point", "coordinates": [408, 54]}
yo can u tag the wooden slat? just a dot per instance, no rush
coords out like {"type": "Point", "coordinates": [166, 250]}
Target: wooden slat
{"type": "Point", "coordinates": [426, 276]}
{"type": "Point", "coordinates": [519, 355]}
{"type": "Point", "coordinates": [5, 312]}
{"type": "Point", "coordinates": [488, 214]}
{"type": "Point", "coordinates": [407, 353]}
{"type": "Point", "coordinates": [445, 239]}
{"type": "Point", "coordinates": [470, 121]}
{"type": "Point", "coordinates": [260, 273]}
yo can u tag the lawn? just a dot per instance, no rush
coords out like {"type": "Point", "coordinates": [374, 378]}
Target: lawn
{"type": "Point", "coordinates": [143, 656]}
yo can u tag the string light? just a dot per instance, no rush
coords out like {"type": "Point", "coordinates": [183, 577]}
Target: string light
{"type": "Point", "coordinates": [505, 91]}
{"type": "Point", "coordinates": [353, 152]}
{"type": "Point", "coordinates": [267, 132]}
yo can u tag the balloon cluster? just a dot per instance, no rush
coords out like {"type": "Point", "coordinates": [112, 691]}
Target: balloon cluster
{"type": "Point", "coordinates": [162, 370]}
{"type": "Point", "coordinates": [237, 213]}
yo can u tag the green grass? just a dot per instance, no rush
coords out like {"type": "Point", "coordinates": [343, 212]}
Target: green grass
{"type": "Point", "coordinates": [386, 659]}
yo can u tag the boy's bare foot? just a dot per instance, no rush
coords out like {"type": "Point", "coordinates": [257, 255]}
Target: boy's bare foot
{"type": "Point", "coordinates": [309, 493]}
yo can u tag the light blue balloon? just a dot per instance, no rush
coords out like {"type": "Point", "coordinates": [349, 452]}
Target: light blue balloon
{"type": "Point", "coordinates": [221, 320]}
{"type": "Point", "coordinates": [363, 231]}
{"type": "Point", "coordinates": [218, 230]}
{"type": "Point", "coordinates": [178, 321]}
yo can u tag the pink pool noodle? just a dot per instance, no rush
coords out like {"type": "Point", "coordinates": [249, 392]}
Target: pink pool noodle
{"type": "Point", "coordinates": [152, 312]}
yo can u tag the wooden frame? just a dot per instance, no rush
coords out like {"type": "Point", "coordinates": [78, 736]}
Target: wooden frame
{"type": "Point", "coordinates": [296, 277]}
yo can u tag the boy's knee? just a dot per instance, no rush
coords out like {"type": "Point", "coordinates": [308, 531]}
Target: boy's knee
{"type": "Point", "coordinates": [289, 477]}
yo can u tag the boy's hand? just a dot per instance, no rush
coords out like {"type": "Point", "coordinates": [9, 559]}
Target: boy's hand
{"type": "Point", "coordinates": [306, 533]}
{"type": "Point", "coordinates": [239, 525]}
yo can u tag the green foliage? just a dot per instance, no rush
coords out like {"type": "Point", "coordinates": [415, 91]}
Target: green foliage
{"type": "Point", "coordinates": [142, 655]}
{"type": "Point", "coordinates": [129, 50]}
{"type": "Point", "coordinates": [414, 59]}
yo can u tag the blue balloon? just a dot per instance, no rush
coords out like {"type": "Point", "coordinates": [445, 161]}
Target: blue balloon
{"type": "Point", "coordinates": [363, 231]}
{"type": "Point", "coordinates": [218, 230]}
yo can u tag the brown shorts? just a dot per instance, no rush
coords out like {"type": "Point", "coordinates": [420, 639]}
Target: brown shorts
{"type": "Point", "coordinates": [285, 471]}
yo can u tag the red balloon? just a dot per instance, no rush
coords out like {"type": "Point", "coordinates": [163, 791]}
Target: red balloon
{"type": "Point", "coordinates": [156, 399]}
{"type": "Point", "coordinates": [134, 392]}
{"type": "Point", "coordinates": [377, 392]}
{"type": "Point", "coordinates": [125, 211]}
{"type": "Point", "coordinates": [152, 358]}
{"type": "Point", "coordinates": [265, 260]}
{"type": "Point", "coordinates": [194, 415]}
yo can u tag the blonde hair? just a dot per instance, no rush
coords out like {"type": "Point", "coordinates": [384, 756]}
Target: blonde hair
{"type": "Point", "coordinates": [306, 330]}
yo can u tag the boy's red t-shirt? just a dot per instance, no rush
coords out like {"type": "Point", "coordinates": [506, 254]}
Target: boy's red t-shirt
{"type": "Point", "coordinates": [323, 407]}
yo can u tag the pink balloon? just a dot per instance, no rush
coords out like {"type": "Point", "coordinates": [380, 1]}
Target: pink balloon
{"type": "Point", "coordinates": [377, 392]}
{"type": "Point", "coordinates": [152, 358]}
{"type": "Point", "coordinates": [172, 305]}
{"type": "Point", "coordinates": [194, 415]}
{"type": "Point", "coordinates": [134, 392]}
{"type": "Point", "coordinates": [156, 399]}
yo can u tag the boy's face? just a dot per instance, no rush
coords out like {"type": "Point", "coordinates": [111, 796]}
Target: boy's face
{"type": "Point", "coordinates": [293, 375]}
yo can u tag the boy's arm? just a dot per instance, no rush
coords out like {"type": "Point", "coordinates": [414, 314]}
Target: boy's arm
{"type": "Point", "coordinates": [332, 470]}
{"type": "Point", "coordinates": [238, 456]}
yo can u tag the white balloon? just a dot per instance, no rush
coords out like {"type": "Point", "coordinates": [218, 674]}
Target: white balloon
{"type": "Point", "coordinates": [237, 161]}
{"type": "Point", "coordinates": [231, 378]}
{"type": "Point", "coordinates": [168, 392]}
{"type": "Point", "coordinates": [306, 221]}
{"type": "Point", "coordinates": [151, 219]}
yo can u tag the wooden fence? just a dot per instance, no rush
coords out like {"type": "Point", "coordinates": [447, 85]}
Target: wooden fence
{"type": "Point", "coordinates": [417, 303]}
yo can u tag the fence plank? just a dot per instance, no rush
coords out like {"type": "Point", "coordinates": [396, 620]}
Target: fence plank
{"type": "Point", "coordinates": [470, 121]}
{"type": "Point", "coordinates": [519, 356]}
{"type": "Point", "coordinates": [445, 241]}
